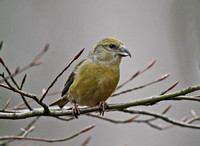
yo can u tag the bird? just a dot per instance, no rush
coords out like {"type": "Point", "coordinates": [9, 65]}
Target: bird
{"type": "Point", "coordinates": [95, 78]}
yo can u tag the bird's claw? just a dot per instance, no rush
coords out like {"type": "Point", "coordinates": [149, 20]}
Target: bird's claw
{"type": "Point", "coordinates": [75, 111]}
{"type": "Point", "coordinates": [102, 106]}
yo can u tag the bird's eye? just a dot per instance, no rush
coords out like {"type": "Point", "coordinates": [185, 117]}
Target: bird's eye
{"type": "Point", "coordinates": [112, 46]}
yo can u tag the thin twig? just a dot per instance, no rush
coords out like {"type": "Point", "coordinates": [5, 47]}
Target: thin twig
{"type": "Point", "coordinates": [26, 132]}
{"type": "Point", "coordinates": [6, 105]}
{"type": "Point", "coordinates": [51, 85]}
{"type": "Point", "coordinates": [34, 62]}
{"type": "Point", "coordinates": [65, 119]}
{"type": "Point", "coordinates": [23, 81]}
{"type": "Point", "coordinates": [193, 120]}
{"type": "Point", "coordinates": [21, 105]}
{"type": "Point", "coordinates": [129, 120]}
{"type": "Point", "coordinates": [15, 83]}
{"type": "Point", "coordinates": [142, 86]}
{"type": "Point", "coordinates": [170, 88]}
{"type": "Point", "coordinates": [32, 96]}
{"type": "Point", "coordinates": [22, 132]}
{"type": "Point", "coordinates": [86, 141]}
{"type": "Point", "coordinates": [137, 73]}
{"type": "Point", "coordinates": [132, 120]}
{"type": "Point", "coordinates": [166, 109]}
{"type": "Point", "coordinates": [163, 117]}
{"type": "Point", "coordinates": [1, 45]}
{"type": "Point", "coordinates": [47, 140]}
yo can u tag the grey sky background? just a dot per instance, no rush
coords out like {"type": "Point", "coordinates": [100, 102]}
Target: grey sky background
{"type": "Point", "coordinates": [158, 29]}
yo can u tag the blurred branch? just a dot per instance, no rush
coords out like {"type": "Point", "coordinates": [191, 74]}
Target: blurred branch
{"type": "Point", "coordinates": [137, 73]}
{"type": "Point", "coordinates": [86, 141]}
{"type": "Point", "coordinates": [47, 140]}
{"type": "Point", "coordinates": [142, 86]}
{"type": "Point", "coordinates": [32, 96]}
{"type": "Point", "coordinates": [22, 132]}
{"type": "Point", "coordinates": [133, 120]}
{"type": "Point", "coordinates": [22, 93]}
{"type": "Point", "coordinates": [163, 117]}
{"type": "Point", "coordinates": [33, 63]}
{"type": "Point", "coordinates": [153, 117]}
{"type": "Point", "coordinates": [21, 105]}
{"type": "Point", "coordinates": [170, 88]}
{"type": "Point", "coordinates": [1, 45]}
{"type": "Point", "coordinates": [15, 83]}
{"type": "Point", "coordinates": [51, 85]}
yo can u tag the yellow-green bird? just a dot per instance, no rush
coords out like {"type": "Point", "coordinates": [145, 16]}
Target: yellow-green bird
{"type": "Point", "coordinates": [95, 78]}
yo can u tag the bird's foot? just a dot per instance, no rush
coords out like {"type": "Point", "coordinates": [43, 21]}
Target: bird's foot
{"type": "Point", "coordinates": [102, 106]}
{"type": "Point", "coordinates": [75, 110]}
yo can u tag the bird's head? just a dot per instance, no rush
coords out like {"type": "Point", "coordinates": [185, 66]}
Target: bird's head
{"type": "Point", "coordinates": [108, 50]}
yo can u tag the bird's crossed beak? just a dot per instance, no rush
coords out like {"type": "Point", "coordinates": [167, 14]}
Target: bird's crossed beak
{"type": "Point", "coordinates": [123, 52]}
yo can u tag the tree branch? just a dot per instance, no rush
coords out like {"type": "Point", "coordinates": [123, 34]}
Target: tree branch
{"type": "Point", "coordinates": [112, 107]}
{"type": "Point", "coordinates": [142, 86]}
{"type": "Point", "coordinates": [22, 132]}
{"type": "Point", "coordinates": [47, 140]}
{"type": "Point", "coordinates": [33, 63]}
{"type": "Point", "coordinates": [51, 85]}
{"type": "Point", "coordinates": [163, 117]}
{"type": "Point", "coordinates": [15, 83]}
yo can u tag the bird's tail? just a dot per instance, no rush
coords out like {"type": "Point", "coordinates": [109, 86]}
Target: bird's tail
{"type": "Point", "coordinates": [60, 102]}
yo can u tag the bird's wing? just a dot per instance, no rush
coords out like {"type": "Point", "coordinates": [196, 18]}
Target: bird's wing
{"type": "Point", "coordinates": [70, 79]}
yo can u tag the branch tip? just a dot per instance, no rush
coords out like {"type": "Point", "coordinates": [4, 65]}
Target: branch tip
{"type": "Point", "coordinates": [193, 113]}
{"type": "Point", "coordinates": [166, 109]}
{"type": "Point", "coordinates": [164, 76]}
{"type": "Point", "coordinates": [87, 128]}
{"type": "Point", "coordinates": [152, 63]}
{"type": "Point", "coordinates": [46, 47]}
{"type": "Point", "coordinates": [170, 88]}
{"type": "Point", "coordinates": [7, 103]}
{"type": "Point", "coordinates": [1, 45]}
{"type": "Point", "coordinates": [76, 57]}
{"type": "Point", "coordinates": [184, 119]}
{"type": "Point", "coordinates": [132, 118]}
{"type": "Point", "coordinates": [2, 62]}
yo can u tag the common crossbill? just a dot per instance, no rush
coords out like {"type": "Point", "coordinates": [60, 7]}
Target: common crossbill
{"type": "Point", "coordinates": [95, 78]}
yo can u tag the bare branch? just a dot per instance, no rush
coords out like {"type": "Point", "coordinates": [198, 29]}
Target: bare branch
{"type": "Point", "coordinates": [1, 45]}
{"type": "Point", "coordinates": [21, 105]}
{"type": "Point", "coordinates": [193, 120]}
{"type": "Point", "coordinates": [15, 83]}
{"type": "Point", "coordinates": [166, 109]}
{"type": "Point", "coordinates": [51, 85]}
{"type": "Point", "coordinates": [86, 141]}
{"type": "Point", "coordinates": [112, 107]}
{"type": "Point", "coordinates": [137, 73]}
{"type": "Point", "coordinates": [163, 117]}
{"type": "Point", "coordinates": [170, 88]}
{"type": "Point", "coordinates": [33, 63]}
{"type": "Point", "coordinates": [47, 140]}
{"type": "Point", "coordinates": [142, 86]}
{"type": "Point", "coordinates": [44, 50]}
{"type": "Point", "coordinates": [22, 132]}
{"type": "Point", "coordinates": [6, 105]}
{"type": "Point", "coordinates": [23, 81]}
{"type": "Point", "coordinates": [115, 121]}
{"type": "Point", "coordinates": [26, 132]}
{"type": "Point", "coordinates": [32, 96]}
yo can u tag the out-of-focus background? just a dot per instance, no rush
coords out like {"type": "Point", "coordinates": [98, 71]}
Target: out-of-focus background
{"type": "Point", "coordinates": [168, 31]}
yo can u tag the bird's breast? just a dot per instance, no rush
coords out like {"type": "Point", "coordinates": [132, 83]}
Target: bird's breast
{"type": "Point", "coordinates": [93, 83]}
